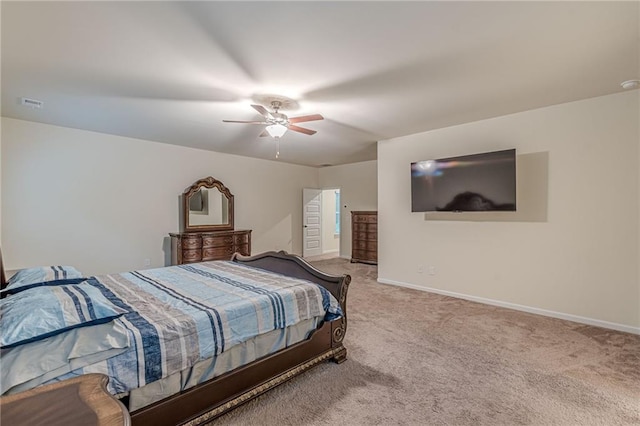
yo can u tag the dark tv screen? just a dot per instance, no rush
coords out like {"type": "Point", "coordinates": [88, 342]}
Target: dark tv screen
{"type": "Point", "coordinates": [477, 182]}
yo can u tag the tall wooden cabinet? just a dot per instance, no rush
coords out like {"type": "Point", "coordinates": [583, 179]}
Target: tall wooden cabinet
{"type": "Point", "coordinates": [189, 247]}
{"type": "Point", "coordinates": [364, 236]}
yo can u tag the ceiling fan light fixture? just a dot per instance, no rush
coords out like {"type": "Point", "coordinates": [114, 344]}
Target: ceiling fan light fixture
{"type": "Point", "coordinates": [276, 130]}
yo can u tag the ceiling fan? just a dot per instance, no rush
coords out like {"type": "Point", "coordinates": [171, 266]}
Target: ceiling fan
{"type": "Point", "coordinates": [278, 123]}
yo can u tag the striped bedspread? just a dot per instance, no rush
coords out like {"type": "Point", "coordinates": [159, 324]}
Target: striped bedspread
{"type": "Point", "coordinates": [179, 315]}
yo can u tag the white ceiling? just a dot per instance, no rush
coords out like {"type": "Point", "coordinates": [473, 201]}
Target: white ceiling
{"type": "Point", "coordinates": [172, 71]}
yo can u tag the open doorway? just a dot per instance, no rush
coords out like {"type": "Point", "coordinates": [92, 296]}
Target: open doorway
{"type": "Point", "coordinates": [321, 220]}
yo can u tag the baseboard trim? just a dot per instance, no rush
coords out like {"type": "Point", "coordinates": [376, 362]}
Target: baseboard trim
{"type": "Point", "coordinates": [515, 306]}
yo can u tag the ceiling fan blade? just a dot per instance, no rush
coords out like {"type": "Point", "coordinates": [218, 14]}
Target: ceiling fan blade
{"type": "Point", "coordinates": [303, 118]}
{"type": "Point", "coordinates": [264, 134]}
{"type": "Point", "coordinates": [301, 129]}
{"type": "Point", "coordinates": [244, 122]}
{"type": "Point", "coordinates": [262, 110]}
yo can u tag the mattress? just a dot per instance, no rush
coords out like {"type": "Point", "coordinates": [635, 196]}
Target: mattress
{"type": "Point", "coordinates": [235, 357]}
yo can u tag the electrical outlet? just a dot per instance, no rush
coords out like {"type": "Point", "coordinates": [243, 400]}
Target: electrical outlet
{"type": "Point", "coordinates": [432, 270]}
{"type": "Point", "coordinates": [147, 262]}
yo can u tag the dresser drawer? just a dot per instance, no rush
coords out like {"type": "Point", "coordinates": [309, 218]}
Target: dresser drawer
{"type": "Point", "coordinates": [365, 227]}
{"type": "Point", "coordinates": [365, 250]}
{"type": "Point", "coordinates": [239, 239]}
{"type": "Point", "coordinates": [191, 242]}
{"type": "Point", "coordinates": [357, 254]}
{"type": "Point", "coordinates": [365, 245]}
{"type": "Point", "coordinates": [366, 218]}
{"type": "Point", "coordinates": [216, 240]}
{"type": "Point", "coordinates": [361, 236]}
{"type": "Point", "coordinates": [194, 255]}
{"type": "Point", "coordinates": [359, 227]}
{"type": "Point", "coordinates": [192, 247]}
{"type": "Point", "coordinates": [364, 255]}
{"type": "Point", "coordinates": [217, 253]}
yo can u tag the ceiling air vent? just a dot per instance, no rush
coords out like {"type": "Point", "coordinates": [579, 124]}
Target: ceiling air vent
{"type": "Point", "coordinates": [31, 103]}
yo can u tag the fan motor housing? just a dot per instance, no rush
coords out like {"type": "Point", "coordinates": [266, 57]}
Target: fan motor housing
{"type": "Point", "coordinates": [279, 118]}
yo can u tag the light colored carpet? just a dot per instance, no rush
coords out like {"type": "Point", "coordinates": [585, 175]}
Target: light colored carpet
{"type": "Point", "coordinates": [416, 358]}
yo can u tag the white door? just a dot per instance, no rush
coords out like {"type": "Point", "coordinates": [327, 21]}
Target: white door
{"type": "Point", "coordinates": [312, 222]}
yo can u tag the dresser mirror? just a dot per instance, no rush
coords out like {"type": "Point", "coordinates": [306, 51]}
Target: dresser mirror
{"type": "Point", "coordinates": [207, 205]}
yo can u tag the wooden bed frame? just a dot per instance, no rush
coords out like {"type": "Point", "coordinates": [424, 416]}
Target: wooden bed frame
{"type": "Point", "coordinates": [3, 278]}
{"type": "Point", "coordinates": [211, 399]}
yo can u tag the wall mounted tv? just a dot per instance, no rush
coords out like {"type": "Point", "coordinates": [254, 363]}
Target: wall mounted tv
{"type": "Point", "coordinates": [477, 182]}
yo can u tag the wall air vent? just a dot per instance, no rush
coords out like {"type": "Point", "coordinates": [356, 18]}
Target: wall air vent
{"type": "Point", "coordinates": [31, 103]}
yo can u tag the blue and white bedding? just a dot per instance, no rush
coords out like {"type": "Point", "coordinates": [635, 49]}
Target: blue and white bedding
{"type": "Point", "coordinates": [29, 365]}
{"type": "Point", "coordinates": [179, 315]}
{"type": "Point", "coordinates": [42, 275]}
{"type": "Point", "coordinates": [41, 312]}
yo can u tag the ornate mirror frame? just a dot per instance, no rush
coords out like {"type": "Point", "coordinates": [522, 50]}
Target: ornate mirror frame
{"type": "Point", "coordinates": [210, 183]}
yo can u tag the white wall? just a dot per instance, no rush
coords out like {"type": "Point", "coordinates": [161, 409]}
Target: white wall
{"type": "Point", "coordinates": [105, 203]}
{"type": "Point", "coordinates": [358, 183]}
{"type": "Point", "coordinates": [0, 184]}
{"type": "Point", "coordinates": [579, 261]}
{"type": "Point", "coordinates": [638, 188]}
{"type": "Point", "coordinates": [0, 159]}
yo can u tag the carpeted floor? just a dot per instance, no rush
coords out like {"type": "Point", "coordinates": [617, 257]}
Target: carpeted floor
{"type": "Point", "coordinates": [416, 358]}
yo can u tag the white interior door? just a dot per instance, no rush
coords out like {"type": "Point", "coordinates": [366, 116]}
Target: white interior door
{"type": "Point", "coordinates": [312, 222]}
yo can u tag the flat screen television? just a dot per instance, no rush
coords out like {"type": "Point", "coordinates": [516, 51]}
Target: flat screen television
{"type": "Point", "coordinates": [477, 182]}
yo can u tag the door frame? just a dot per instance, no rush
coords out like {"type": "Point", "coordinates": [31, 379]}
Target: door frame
{"type": "Point", "coordinates": [322, 236]}
{"type": "Point", "coordinates": [308, 195]}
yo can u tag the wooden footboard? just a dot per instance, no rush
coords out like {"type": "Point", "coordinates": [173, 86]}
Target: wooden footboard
{"type": "Point", "coordinates": [217, 396]}
{"type": "Point", "coordinates": [295, 266]}
{"type": "Point", "coordinates": [211, 399]}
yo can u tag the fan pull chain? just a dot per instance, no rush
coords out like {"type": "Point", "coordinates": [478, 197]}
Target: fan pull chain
{"type": "Point", "coordinates": [277, 147]}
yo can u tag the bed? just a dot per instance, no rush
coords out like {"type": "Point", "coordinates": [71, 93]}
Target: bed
{"type": "Point", "coordinates": [224, 355]}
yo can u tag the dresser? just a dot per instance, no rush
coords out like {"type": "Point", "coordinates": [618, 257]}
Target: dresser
{"type": "Point", "coordinates": [364, 236]}
{"type": "Point", "coordinates": [189, 247]}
